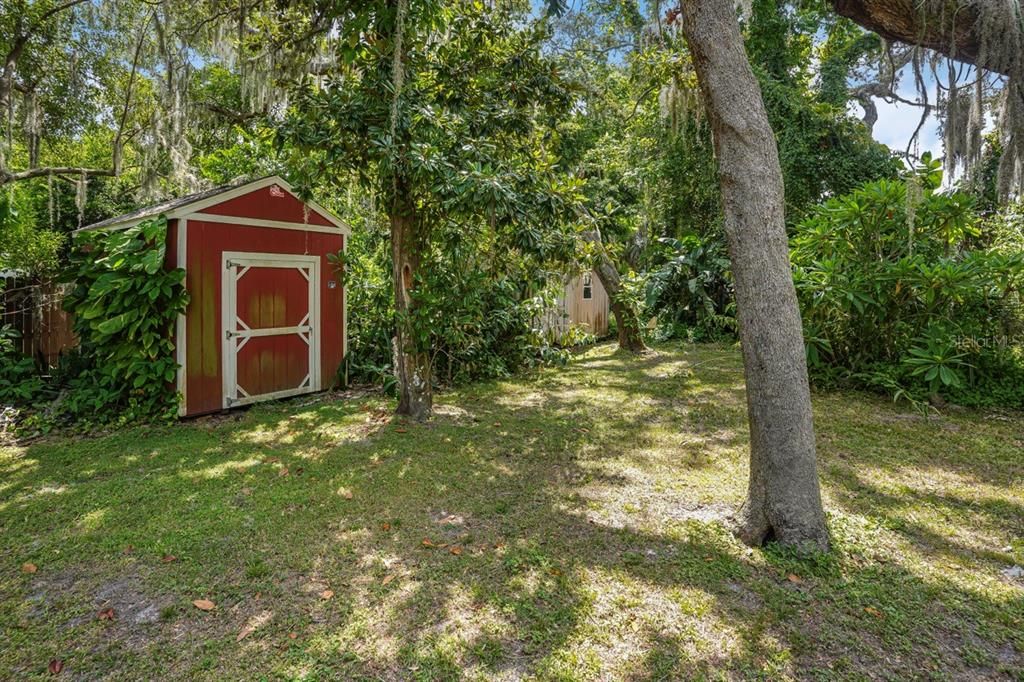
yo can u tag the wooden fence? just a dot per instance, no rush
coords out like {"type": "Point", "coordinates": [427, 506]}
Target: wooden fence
{"type": "Point", "coordinates": [34, 309]}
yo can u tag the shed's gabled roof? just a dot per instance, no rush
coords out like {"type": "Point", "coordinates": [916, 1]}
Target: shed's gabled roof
{"type": "Point", "coordinates": [192, 203]}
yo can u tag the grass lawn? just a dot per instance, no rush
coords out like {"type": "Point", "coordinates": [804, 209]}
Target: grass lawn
{"type": "Point", "coordinates": [567, 525]}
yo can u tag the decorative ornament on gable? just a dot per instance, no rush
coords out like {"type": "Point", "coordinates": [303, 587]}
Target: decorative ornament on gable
{"type": "Point", "coordinates": [276, 192]}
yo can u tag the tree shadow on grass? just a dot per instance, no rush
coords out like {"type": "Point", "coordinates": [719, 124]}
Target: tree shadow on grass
{"type": "Point", "coordinates": [526, 569]}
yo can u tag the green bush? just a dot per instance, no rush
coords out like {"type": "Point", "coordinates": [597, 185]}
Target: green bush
{"type": "Point", "coordinates": [691, 291]}
{"type": "Point", "coordinates": [476, 300]}
{"type": "Point", "coordinates": [125, 305]}
{"type": "Point", "coordinates": [24, 245]}
{"type": "Point", "coordinates": [20, 383]}
{"type": "Point", "coordinates": [901, 288]}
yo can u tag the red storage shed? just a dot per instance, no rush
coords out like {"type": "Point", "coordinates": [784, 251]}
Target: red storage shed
{"type": "Point", "coordinates": [267, 316]}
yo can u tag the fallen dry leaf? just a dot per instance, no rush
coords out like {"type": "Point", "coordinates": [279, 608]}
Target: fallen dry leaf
{"type": "Point", "coordinates": [283, 471]}
{"type": "Point", "coordinates": [271, 460]}
{"type": "Point", "coordinates": [387, 579]}
{"type": "Point", "coordinates": [244, 632]}
{"type": "Point", "coordinates": [794, 578]}
{"type": "Point", "coordinates": [56, 665]}
{"type": "Point", "coordinates": [385, 526]}
{"type": "Point", "coordinates": [456, 550]}
{"type": "Point", "coordinates": [29, 568]}
{"type": "Point", "coordinates": [168, 558]}
{"type": "Point", "coordinates": [874, 612]}
{"type": "Point", "coordinates": [401, 431]}
{"type": "Point", "coordinates": [327, 594]}
{"type": "Point", "coordinates": [106, 614]}
{"type": "Point", "coordinates": [292, 635]}
{"type": "Point", "coordinates": [427, 542]}
{"type": "Point", "coordinates": [204, 604]}
{"type": "Point", "coordinates": [347, 494]}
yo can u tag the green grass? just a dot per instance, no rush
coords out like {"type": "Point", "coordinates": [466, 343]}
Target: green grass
{"type": "Point", "coordinates": [576, 519]}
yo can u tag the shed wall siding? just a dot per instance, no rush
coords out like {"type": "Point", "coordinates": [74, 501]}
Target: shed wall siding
{"type": "Point", "coordinates": [571, 309]}
{"type": "Point", "coordinates": [263, 204]}
{"type": "Point", "coordinates": [591, 312]}
{"type": "Point", "coordinates": [206, 242]}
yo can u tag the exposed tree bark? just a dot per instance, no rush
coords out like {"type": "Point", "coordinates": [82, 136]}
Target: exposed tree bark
{"type": "Point", "coordinates": [783, 499]}
{"type": "Point", "coordinates": [627, 322]}
{"type": "Point", "coordinates": [950, 27]}
{"type": "Point", "coordinates": [412, 364]}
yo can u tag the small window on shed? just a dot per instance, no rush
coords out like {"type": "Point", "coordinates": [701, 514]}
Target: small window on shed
{"type": "Point", "coordinates": [588, 289]}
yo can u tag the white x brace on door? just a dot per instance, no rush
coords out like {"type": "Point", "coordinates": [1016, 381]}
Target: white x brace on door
{"type": "Point", "coordinates": [270, 311]}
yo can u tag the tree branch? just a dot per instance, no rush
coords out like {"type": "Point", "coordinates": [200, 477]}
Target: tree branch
{"type": "Point", "coordinates": [8, 176]}
{"type": "Point", "coordinates": [950, 28]}
{"type": "Point", "coordinates": [48, 14]}
{"type": "Point", "coordinates": [18, 47]}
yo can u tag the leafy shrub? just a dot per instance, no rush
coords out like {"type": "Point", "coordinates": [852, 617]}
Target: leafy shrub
{"type": "Point", "coordinates": [691, 291]}
{"type": "Point", "coordinates": [476, 302]}
{"type": "Point", "coordinates": [998, 380]}
{"type": "Point", "coordinates": [20, 383]}
{"type": "Point", "coordinates": [125, 304]}
{"type": "Point", "coordinates": [895, 281]}
{"type": "Point", "coordinates": [24, 245]}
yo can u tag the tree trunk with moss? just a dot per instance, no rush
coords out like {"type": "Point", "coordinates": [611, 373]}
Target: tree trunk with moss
{"type": "Point", "coordinates": [783, 498]}
{"type": "Point", "coordinates": [627, 321]}
{"type": "Point", "coordinates": [412, 363]}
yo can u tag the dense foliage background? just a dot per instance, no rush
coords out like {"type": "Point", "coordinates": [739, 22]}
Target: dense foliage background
{"type": "Point", "coordinates": [519, 133]}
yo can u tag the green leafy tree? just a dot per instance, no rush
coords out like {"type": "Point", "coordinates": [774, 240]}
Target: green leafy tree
{"type": "Point", "coordinates": [445, 111]}
{"type": "Point", "coordinates": [824, 151]}
{"type": "Point", "coordinates": [23, 247]}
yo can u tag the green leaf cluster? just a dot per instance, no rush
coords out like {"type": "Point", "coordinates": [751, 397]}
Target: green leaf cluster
{"type": "Point", "coordinates": [909, 288]}
{"type": "Point", "coordinates": [125, 303]}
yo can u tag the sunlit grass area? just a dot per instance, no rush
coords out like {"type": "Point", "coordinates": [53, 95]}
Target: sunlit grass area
{"type": "Point", "coordinates": [567, 525]}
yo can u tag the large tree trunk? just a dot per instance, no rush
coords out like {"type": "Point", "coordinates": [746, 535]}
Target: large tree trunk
{"type": "Point", "coordinates": [627, 322]}
{"type": "Point", "coordinates": [951, 27]}
{"type": "Point", "coordinates": [412, 364]}
{"type": "Point", "coordinates": [783, 499]}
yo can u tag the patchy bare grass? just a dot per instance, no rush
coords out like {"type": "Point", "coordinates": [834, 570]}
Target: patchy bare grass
{"type": "Point", "coordinates": [564, 526]}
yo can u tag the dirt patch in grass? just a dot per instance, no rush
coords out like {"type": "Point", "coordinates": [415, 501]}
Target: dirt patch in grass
{"type": "Point", "coordinates": [99, 608]}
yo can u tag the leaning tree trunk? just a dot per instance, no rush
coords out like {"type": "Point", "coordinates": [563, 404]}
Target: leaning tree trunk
{"type": "Point", "coordinates": [627, 322]}
{"type": "Point", "coordinates": [412, 364]}
{"type": "Point", "coordinates": [783, 499]}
